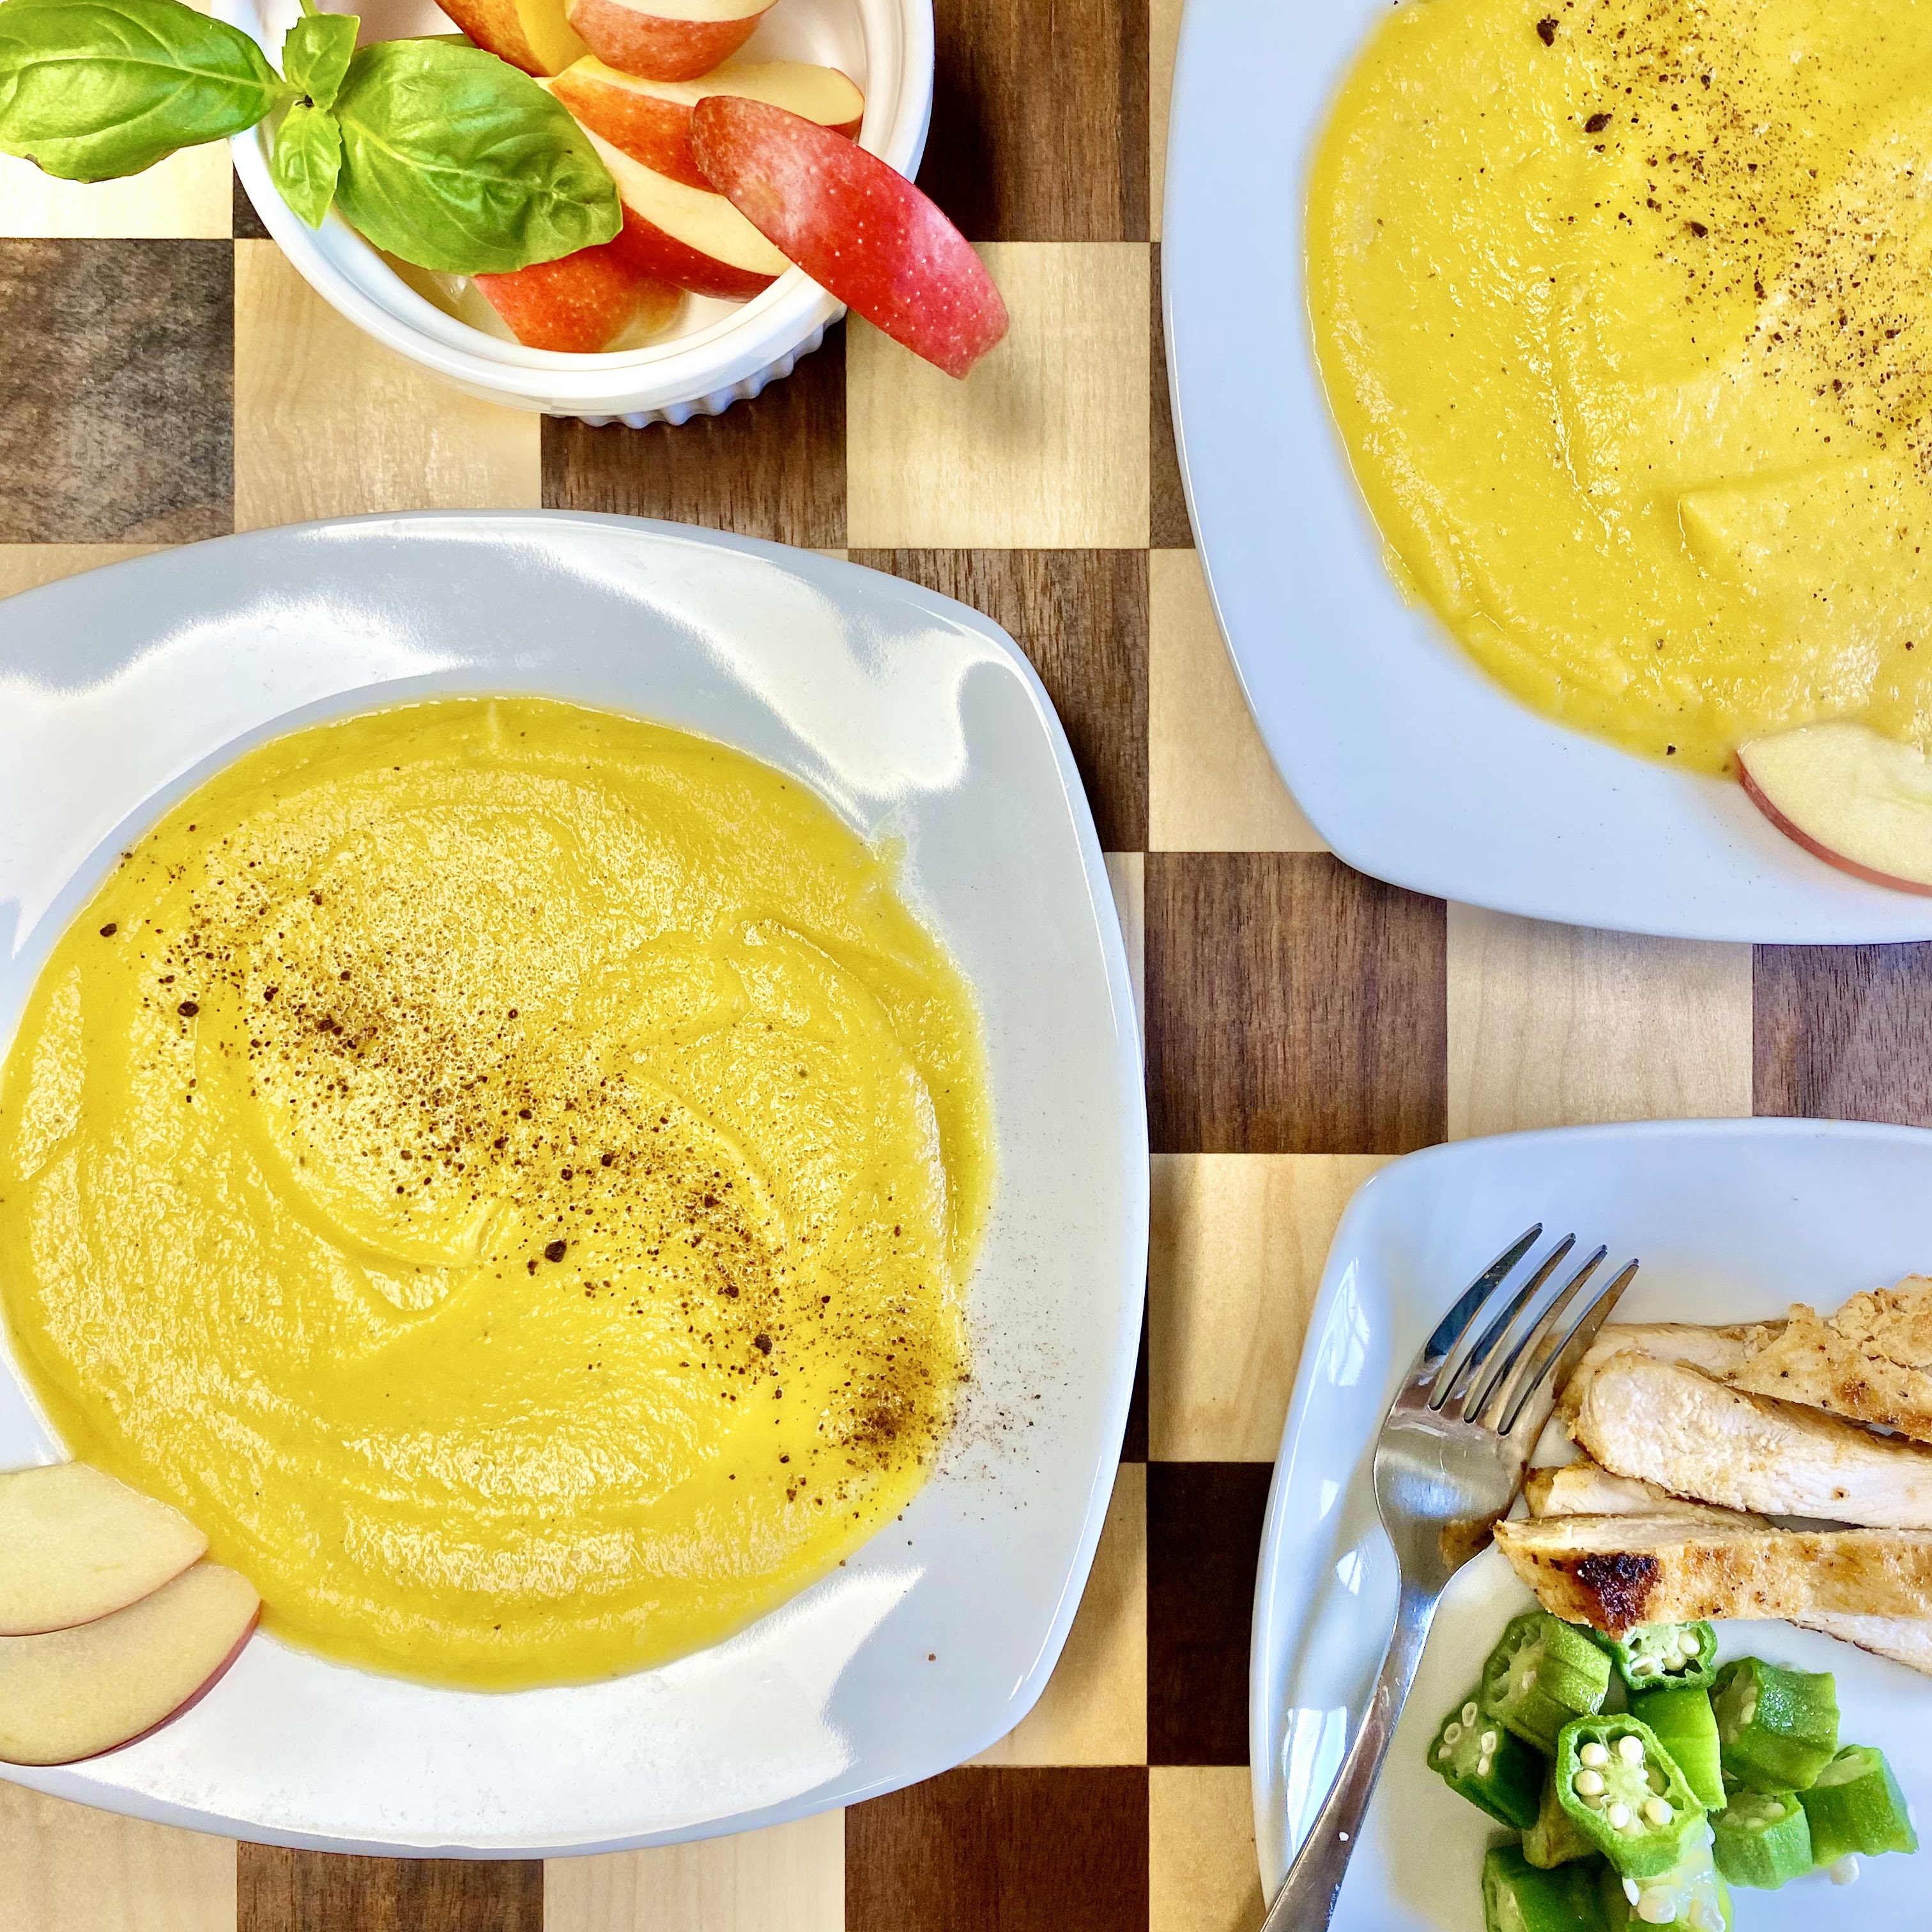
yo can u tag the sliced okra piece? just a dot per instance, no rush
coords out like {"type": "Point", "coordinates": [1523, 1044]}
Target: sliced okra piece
{"type": "Point", "coordinates": [1777, 1730]}
{"type": "Point", "coordinates": [1691, 1895]}
{"type": "Point", "coordinates": [1687, 1727]}
{"type": "Point", "coordinates": [1555, 1838]}
{"type": "Point", "coordinates": [1856, 1805]}
{"type": "Point", "coordinates": [1622, 1787]}
{"type": "Point", "coordinates": [1518, 1897]}
{"type": "Point", "coordinates": [1474, 1755]}
{"type": "Point", "coordinates": [1763, 1839]}
{"type": "Point", "coordinates": [1542, 1673]}
{"type": "Point", "coordinates": [1682, 1656]}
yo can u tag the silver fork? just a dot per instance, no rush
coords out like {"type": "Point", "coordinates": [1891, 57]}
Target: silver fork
{"type": "Point", "coordinates": [1449, 1463]}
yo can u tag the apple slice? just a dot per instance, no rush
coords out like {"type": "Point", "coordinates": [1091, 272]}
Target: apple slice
{"type": "Point", "coordinates": [666, 39]}
{"type": "Point", "coordinates": [74, 1693]}
{"type": "Point", "coordinates": [650, 120]}
{"type": "Point", "coordinates": [581, 304]}
{"type": "Point", "coordinates": [533, 35]}
{"type": "Point", "coordinates": [1850, 795]}
{"type": "Point", "coordinates": [688, 236]}
{"type": "Point", "coordinates": [858, 229]}
{"type": "Point", "coordinates": [76, 1545]}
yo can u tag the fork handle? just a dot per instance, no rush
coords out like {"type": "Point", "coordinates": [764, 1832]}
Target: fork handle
{"type": "Point", "coordinates": [1306, 1902]}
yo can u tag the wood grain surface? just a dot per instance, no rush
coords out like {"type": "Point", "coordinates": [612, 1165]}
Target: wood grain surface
{"type": "Point", "coordinates": [282, 1891]}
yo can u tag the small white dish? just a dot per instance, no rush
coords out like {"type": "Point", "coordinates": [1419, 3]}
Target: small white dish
{"type": "Point", "coordinates": [1732, 1220]}
{"type": "Point", "coordinates": [1413, 765]}
{"type": "Point", "coordinates": [122, 689]}
{"type": "Point", "coordinates": [717, 352]}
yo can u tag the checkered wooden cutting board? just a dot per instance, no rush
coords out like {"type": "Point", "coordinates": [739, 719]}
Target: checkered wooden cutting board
{"type": "Point", "coordinates": [166, 377]}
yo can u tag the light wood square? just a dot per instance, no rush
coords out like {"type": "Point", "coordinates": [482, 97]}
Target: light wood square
{"type": "Point", "coordinates": [25, 566]}
{"type": "Point", "coordinates": [1236, 1248]}
{"type": "Point", "coordinates": [1043, 446]}
{"type": "Point", "coordinates": [67, 1867]}
{"type": "Point", "coordinates": [1201, 1872]}
{"type": "Point", "coordinates": [1211, 785]}
{"type": "Point", "coordinates": [1126, 873]}
{"type": "Point", "coordinates": [329, 424]}
{"type": "Point", "coordinates": [1163, 38]}
{"type": "Point", "coordinates": [787, 1878]}
{"type": "Point", "coordinates": [1093, 1710]}
{"type": "Point", "coordinates": [190, 194]}
{"type": "Point", "coordinates": [1551, 1025]}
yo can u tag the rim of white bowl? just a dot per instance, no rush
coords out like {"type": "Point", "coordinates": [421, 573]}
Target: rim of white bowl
{"type": "Point", "coordinates": [349, 275]}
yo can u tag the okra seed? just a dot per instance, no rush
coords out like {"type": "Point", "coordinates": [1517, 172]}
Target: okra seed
{"type": "Point", "coordinates": [1644, 1666]}
{"type": "Point", "coordinates": [1619, 1815]}
{"type": "Point", "coordinates": [1630, 1750]}
{"type": "Point", "coordinates": [1442, 1756]}
{"type": "Point", "coordinates": [1483, 1767]}
{"type": "Point", "coordinates": [1657, 1908]}
{"type": "Point", "coordinates": [1594, 1756]}
{"type": "Point", "coordinates": [1658, 1811]}
{"type": "Point", "coordinates": [1452, 1734]}
{"type": "Point", "coordinates": [1489, 1743]}
{"type": "Point", "coordinates": [1469, 1714]}
{"type": "Point", "coordinates": [1587, 1784]}
{"type": "Point", "coordinates": [1631, 1891]}
{"type": "Point", "coordinates": [1689, 1643]}
{"type": "Point", "coordinates": [1846, 1871]}
{"type": "Point", "coordinates": [1747, 1710]}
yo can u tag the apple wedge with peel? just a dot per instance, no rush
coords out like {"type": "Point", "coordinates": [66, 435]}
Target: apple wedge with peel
{"type": "Point", "coordinates": [73, 1694]}
{"type": "Point", "coordinates": [581, 303]}
{"type": "Point", "coordinates": [666, 39]}
{"type": "Point", "coordinates": [858, 228]}
{"type": "Point", "coordinates": [690, 237]}
{"type": "Point", "coordinates": [1850, 795]}
{"type": "Point", "coordinates": [76, 1545]}
{"type": "Point", "coordinates": [533, 35]}
{"type": "Point", "coordinates": [650, 120]}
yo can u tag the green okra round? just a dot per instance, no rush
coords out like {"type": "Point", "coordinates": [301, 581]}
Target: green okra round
{"type": "Point", "coordinates": [1856, 1805]}
{"type": "Point", "coordinates": [1492, 1768]}
{"type": "Point", "coordinates": [1777, 1728]}
{"type": "Point", "coordinates": [1542, 1673]}
{"type": "Point", "coordinates": [1625, 1791]}
{"type": "Point", "coordinates": [1518, 1897]}
{"type": "Point", "coordinates": [1763, 1839]}
{"type": "Point", "coordinates": [1659, 1656]}
{"type": "Point", "coordinates": [1687, 1727]}
{"type": "Point", "coordinates": [1692, 1895]}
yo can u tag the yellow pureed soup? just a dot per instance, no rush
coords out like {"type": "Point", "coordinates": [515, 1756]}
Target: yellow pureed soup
{"type": "Point", "coordinates": [1621, 306]}
{"type": "Point", "coordinates": [508, 1173]}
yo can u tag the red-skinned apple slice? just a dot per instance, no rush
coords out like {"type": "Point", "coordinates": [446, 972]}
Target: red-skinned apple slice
{"type": "Point", "coordinates": [533, 35]}
{"type": "Point", "coordinates": [1850, 795]}
{"type": "Point", "coordinates": [650, 120]}
{"type": "Point", "coordinates": [860, 229]}
{"type": "Point", "coordinates": [76, 1545]}
{"type": "Point", "coordinates": [666, 39]}
{"type": "Point", "coordinates": [73, 1694]}
{"type": "Point", "coordinates": [579, 303]}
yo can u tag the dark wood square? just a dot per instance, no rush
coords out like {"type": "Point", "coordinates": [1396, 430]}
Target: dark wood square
{"type": "Point", "coordinates": [1134, 1444]}
{"type": "Point", "coordinates": [1167, 499]}
{"type": "Point", "coordinates": [773, 467]}
{"type": "Point", "coordinates": [1080, 616]}
{"type": "Point", "coordinates": [278, 1890]}
{"type": "Point", "coordinates": [117, 390]}
{"type": "Point", "coordinates": [1039, 120]}
{"type": "Point", "coordinates": [1843, 1033]}
{"type": "Point", "coordinates": [244, 223]}
{"type": "Point", "coordinates": [1294, 1006]}
{"type": "Point", "coordinates": [1002, 1851]}
{"type": "Point", "coordinates": [1203, 1539]}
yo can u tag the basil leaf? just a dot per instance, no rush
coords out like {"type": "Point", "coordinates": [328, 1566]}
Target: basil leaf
{"type": "Point", "coordinates": [306, 160]}
{"type": "Point", "coordinates": [315, 56]}
{"type": "Point", "coordinates": [93, 88]}
{"type": "Point", "coordinates": [456, 161]}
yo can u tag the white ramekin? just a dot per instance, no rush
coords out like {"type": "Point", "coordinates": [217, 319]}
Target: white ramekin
{"type": "Point", "coordinates": [885, 45]}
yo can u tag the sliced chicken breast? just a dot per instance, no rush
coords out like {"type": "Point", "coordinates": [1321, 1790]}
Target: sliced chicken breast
{"type": "Point", "coordinates": [1717, 1352]}
{"type": "Point", "coordinates": [1587, 1488]}
{"type": "Point", "coordinates": [1616, 1572]}
{"type": "Point", "coordinates": [1872, 1361]}
{"type": "Point", "coordinates": [1671, 1424]}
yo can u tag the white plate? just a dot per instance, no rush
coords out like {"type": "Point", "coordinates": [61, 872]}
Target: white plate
{"type": "Point", "coordinates": [122, 689]}
{"type": "Point", "coordinates": [1413, 764]}
{"type": "Point", "coordinates": [1732, 1219]}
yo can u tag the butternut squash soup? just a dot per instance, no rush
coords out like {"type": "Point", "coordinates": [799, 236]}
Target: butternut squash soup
{"type": "Point", "coordinates": [1622, 308]}
{"type": "Point", "coordinates": [508, 1173]}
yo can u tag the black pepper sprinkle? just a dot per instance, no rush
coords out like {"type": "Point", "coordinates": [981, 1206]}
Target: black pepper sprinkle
{"type": "Point", "coordinates": [1697, 229]}
{"type": "Point", "coordinates": [763, 1343]}
{"type": "Point", "coordinates": [1596, 124]}
{"type": "Point", "coordinates": [555, 1251]}
{"type": "Point", "coordinates": [108, 931]}
{"type": "Point", "coordinates": [188, 1009]}
{"type": "Point", "coordinates": [1546, 30]}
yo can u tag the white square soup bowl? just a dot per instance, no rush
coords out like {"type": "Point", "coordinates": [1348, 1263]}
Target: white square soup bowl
{"type": "Point", "coordinates": [717, 352]}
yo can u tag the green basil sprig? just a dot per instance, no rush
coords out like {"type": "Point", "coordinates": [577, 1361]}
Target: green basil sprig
{"type": "Point", "coordinates": [436, 151]}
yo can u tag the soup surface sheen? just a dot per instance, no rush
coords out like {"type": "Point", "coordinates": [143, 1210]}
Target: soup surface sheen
{"type": "Point", "coordinates": [1622, 308]}
{"type": "Point", "coordinates": [509, 1172]}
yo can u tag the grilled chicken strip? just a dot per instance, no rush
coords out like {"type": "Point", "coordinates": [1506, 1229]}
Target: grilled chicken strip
{"type": "Point", "coordinates": [1616, 1572]}
{"type": "Point", "coordinates": [1673, 1425]}
{"type": "Point", "coordinates": [1587, 1488]}
{"type": "Point", "coordinates": [1717, 1352]}
{"type": "Point", "coordinates": [1872, 1361]}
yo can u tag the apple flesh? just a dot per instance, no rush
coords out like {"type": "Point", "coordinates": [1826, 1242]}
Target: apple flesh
{"type": "Point", "coordinates": [533, 35]}
{"type": "Point", "coordinates": [650, 120]}
{"type": "Point", "coordinates": [858, 229]}
{"type": "Point", "coordinates": [73, 1694]}
{"type": "Point", "coordinates": [666, 39]}
{"type": "Point", "coordinates": [581, 304]}
{"type": "Point", "coordinates": [76, 1545]}
{"type": "Point", "coordinates": [1850, 795]}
